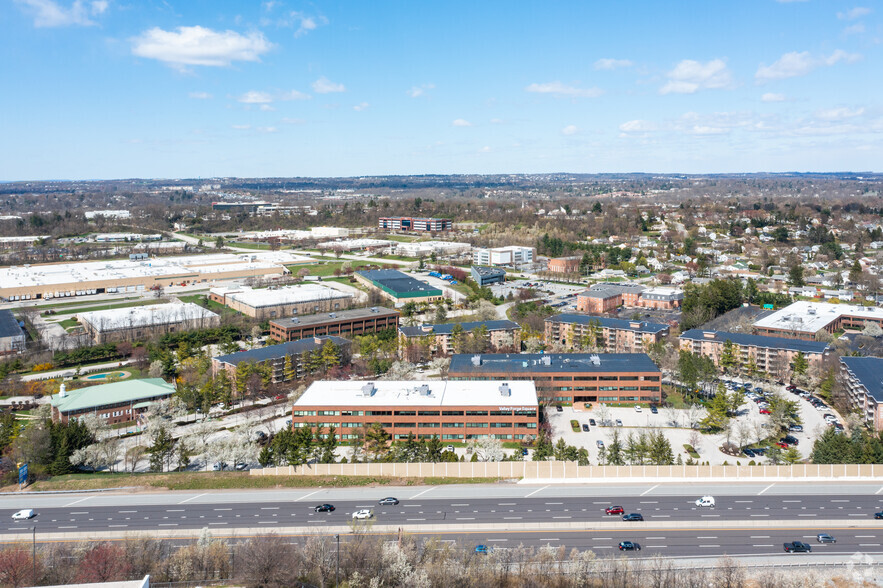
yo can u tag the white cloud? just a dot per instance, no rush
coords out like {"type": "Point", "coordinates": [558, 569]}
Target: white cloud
{"type": "Point", "coordinates": [854, 13]}
{"type": "Point", "coordinates": [569, 130]}
{"type": "Point", "coordinates": [690, 76]}
{"type": "Point", "coordinates": [417, 91]}
{"type": "Point", "coordinates": [608, 63]}
{"type": "Point", "coordinates": [49, 13]}
{"type": "Point", "coordinates": [486, 149]}
{"type": "Point", "coordinates": [497, 121]}
{"type": "Point", "coordinates": [637, 126]}
{"type": "Point", "coordinates": [560, 90]}
{"type": "Point", "coordinates": [241, 127]}
{"type": "Point", "coordinates": [325, 86]}
{"type": "Point", "coordinates": [841, 113]}
{"type": "Point", "coordinates": [360, 107]}
{"type": "Point", "coordinates": [199, 46]}
{"type": "Point", "coordinates": [267, 108]}
{"type": "Point", "coordinates": [267, 129]}
{"type": "Point", "coordinates": [200, 95]}
{"type": "Point", "coordinates": [796, 63]}
{"type": "Point", "coordinates": [705, 130]}
{"type": "Point", "coordinates": [255, 97]}
{"type": "Point", "coordinates": [293, 121]}
{"type": "Point", "coordinates": [460, 122]}
{"type": "Point", "coordinates": [293, 95]}
{"type": "Point", "coordinates": [267, 98]}
{"type": "Point", "coordinates": [772, 97]}
{"type": "Point", "coordinates": [856, 29]}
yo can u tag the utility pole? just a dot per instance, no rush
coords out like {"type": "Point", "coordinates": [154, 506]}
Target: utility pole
{"type": "Point", "coordinates": [337, 571]}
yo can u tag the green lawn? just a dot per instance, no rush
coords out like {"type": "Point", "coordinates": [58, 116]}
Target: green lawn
{"type": "Point", "coordinates": [327, 269]}
{"type": "Point", "coordinates": [204, 302]}
{"type": "Point", "coordinates": [402, 238]}
{"type": "Point", "coordinates": [68, 324]}
{"type": "Point", "coordinates": [79, 303]}
{"type": "Point", "coordinates": [110, 306]}
{"type": "Point", "coordinates": [248, 245]}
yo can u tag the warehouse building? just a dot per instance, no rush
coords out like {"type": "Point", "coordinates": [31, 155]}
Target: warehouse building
{"type": "Point", "coordinates": [265, 303]}
{"type": "Point", "coordinates": [346, 323]}
{"type": "Point", "coordinates": [452, 411]}
{"type": "Point", "coordinates": [398, 287]}
{"type": "Point", "coordinates": [12, 337]}
{"type": "Point", "coordinates": [863, 377]}
{"type": "Point", "coordinates": [145, 322]}
{"type": "Point", "coordinates": [119, 402]}
{"type": "Point", "coordinates": [427, 248]}
{"type": "Point", "coordinates": [287, 361]}
{"type": "Point", "coordinates": [410, 223]}
{"type": "Point", "coordinates": [606, 334]}
{"type": "Point", "coordinates": [569, 378]}
{"type": "Point", "coordinates": [803, 319]}
{"type": "Point", "coordinates": [501, 335]}
{"type": "Point", "coordinates": [485, 276]}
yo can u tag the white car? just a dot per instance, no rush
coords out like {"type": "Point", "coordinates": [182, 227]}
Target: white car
{"type": "Point", "coordinates": [363, 514]}
{"type": "Point", "coordinates": [24, 515]}
{"type": "Point", "coordinates": [637, 408]}
{"type": "Point", "coordinates": [705, 501]}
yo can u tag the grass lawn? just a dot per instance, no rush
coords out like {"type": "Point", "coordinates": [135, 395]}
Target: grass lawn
{"type": "Point", "coordinates": [327, 269]}
{"type": "Point", "coordinates": [110, 306]}
{"type": "Point", "coordinates": [68, 324]}
{"type": "Point", "coordinates": [400, 257]}
{"type": "Point", "coordinates": [78, 303]}
{"type": "Point", "coordinates": [248, 245]}
{"type": "Point", "coordinates": [403, 238]}
{"type": "Point", "coordinates": [205, 302]}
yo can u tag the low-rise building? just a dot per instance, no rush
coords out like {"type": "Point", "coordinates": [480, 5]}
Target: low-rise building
{"type": "Point", "coordinates": [565, 265]}
{"type": "Point", "coordinates": [485, 276]}
{"type": "Point", "coordinates": [427, 248]}
{"type": "Point", "coordinates": [661, 298]}
{"type": "Point", "coordinates": [772, 355]}
{"type": "Point", "coordinates": [346, 323]}
{"type": "Point", "coordinates": [12, 337]}
{"type": "Point", "coordinates": [145, 322]}
{"type": "Point", "coordinates": [451, 411]}
{"type": "Point", "coordinates": [567, 378]}
{"type": "Point", "coordinates": [410, 223]}
{"type": "Point", "coordinates": [118, 402]}
{"type": "Point", "coordinates": [500, 335]}
{"type": "Point", "coordinates": [265, 303]}
{"type": "Point", "coordinates": [285, 362]}
{"type": "Point", "coordinates": [513, 255]}
{"type": "Point", "coordinates": [864, 388]}
{"type": "Point", "coordinates": [610, 335]}
{"type": "Point", "coordinates": [803, 319]}
{"type": "Point", "coordinates": [398, 287]}
{"type": "Point", "coordinates": [607, 297]}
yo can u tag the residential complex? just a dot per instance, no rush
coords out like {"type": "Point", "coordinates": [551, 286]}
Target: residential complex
{"type": "Point", "coordinates": [565, 265]}
{"type": "Point", "coordinates": [12, 337]}
{"type": "Point", "coordinates": [605, 334]}
{"type": "Point", "coordinates": [485, 276]}
{"type": "Point", "coordinates": [409, 223]}
{"type": "Point", "coordinates": [863, 379]}
{"type": "Point", "coordinates": [398, 287]}
{"type": "Point", "coordinates": [145, 322]}
{"type": "Point", "coordinates": [513, 255]}
{"type": "Point", "coordinates": [772, 355]}
{"type": "Point", "coordinates": [803, 319]}
{"type": "Point", "coordinates": [608, 296]}
{"type": "Point", "coordinates": [346, 323]}
{"type": "Point", "coordinates": [452, 411]}
{"type": "Point", "coordinates": [118, 402]}
{"type": "Point", "coordinates": [501, 335]}
{"type": "Point", "coordinates": [286, 361]}
{"type": "Point", "coordinates": [567, 378]}
{"type": "Point", "coordinates": [266, 303]}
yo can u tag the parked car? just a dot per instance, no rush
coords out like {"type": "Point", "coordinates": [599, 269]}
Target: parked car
{"type": "Point", "coordinates": [637, 408]}
{"type": "Point", "coordinates": [450, 448]}
{"type": "Point", "coordinates": [654, 410]}
{"type": "Point", "coordinates": [748, 453]}
{"type": "Point", "coordinates": [633, 517]}
{"type": "Point", "coordinates": [389, 500]}
{"type": "Point", "coordinates": [796, 428]}
{"type": "Point", "coordinates": [592, 422]}
{"type": "Point", "coordinates": [629, 546]}
{"type": "Point", "coordinates": [365, 513]}
{"type": "Point", "coordinates": [614, 510]}
{"type": "Point", "coordinates": [825, 538]}
{"type": "Point", "coordinates": [600, 444]}
{"type": "Point", "coordinates": [24, 514]}
{"type": "Point", "coordinates": [790, 440]}
{"type": "Point", "coordinates": [782, 444]}
{"type": "Point", "coordinates": [585, 428]}
{"type": "Point", "coordinates": [219, 466]}
{"type": "Point", "coordinates": [324, 508]}
{"type": "Point", "coordinates": [797, 547]}
{"type": "Point", "coordinates": [558, 408]}
{"type": "Point", "coordinates": [764, 411]}
{"type": "Point", "coordinates": [618, 423]}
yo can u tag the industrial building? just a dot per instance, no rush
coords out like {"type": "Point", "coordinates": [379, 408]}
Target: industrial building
{"type": "Point", "coordinates": [398, 287]}
{"type": "Point", "coordinates": [452, 411]}
{"type": "Point", "coordinates": [427, 248]}
{"type": "Point", "coordinates": [501, 335]}
{"type": "Point", "coordinates": [485, 276]}
{"type": "Point", "coordinates": [276, 357]}
{"type": "Point", "coordinates": [803, 319]}
{"type": "Point", "coordinates": [409, 223]}
{"type": "Point", "coordinates": [568, 378]}
{"type": "Point", "coordinates": [356, 244]}
{"type": "Point", "coordinates": [606, 334]}
{"type": "Point", "coordinates": [59, 280]}
{"type": "Point", "coordinates": [772, 355]}
{"type": "Point", "coordinates": [346, 323]}
{"type": "Point", "coordinates": [265, 303]}
{"type": "Point", "coordinates": [118, 402]}
{"type": "Point", "coordinates": [12, 337]}
{"type": "Point", "coordinates": [145, 322]}
{"type": "Point", "coordinates": [512, 255]}
{"type": "Point", "coordinates": [864, 388]}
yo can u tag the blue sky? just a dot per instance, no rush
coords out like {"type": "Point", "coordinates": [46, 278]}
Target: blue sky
{"type": "Point", "coordinates": [155, 88]}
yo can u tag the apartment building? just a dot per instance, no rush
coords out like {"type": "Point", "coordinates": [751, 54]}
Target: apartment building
{"type": "Point", "coordinates": [513, 255]}
{"type": "Point", "coordinates": [502, 334]}
{"type": "Point", "coordinates": [346, 323]}
{"type": "Point", "coordinates": [863, 379]}
{"type": "Point", "coordinates": [276, 357]}
{"type": "Point", "coordinates": [581, 331]}
{"type": "Point", "coordinates": [772, 355]}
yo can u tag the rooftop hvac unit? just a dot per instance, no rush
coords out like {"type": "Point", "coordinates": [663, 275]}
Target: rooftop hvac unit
{"type": "Point", "coordinates": [423, 390]}
{"type": "Point", "coordinates": [374, 309]}
{"type": "Point", "coordinates": [476, 360]}
{"type": "Point", "coordinates": [595, 359]}
{"type": "Point", "coordinates": [546, 360]}
{"type": "Point", "coordinates": [332, 315]}
{"type": "Point", "coordinates": [368, 389]}
{"type": "Point", "coordinates": [504, 390]}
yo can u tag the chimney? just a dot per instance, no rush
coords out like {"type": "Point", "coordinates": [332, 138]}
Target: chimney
{"type": "Point", "coordinates": [62, 391]}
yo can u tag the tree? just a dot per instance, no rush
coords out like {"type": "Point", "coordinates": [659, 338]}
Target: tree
{"type": "Point", "coordinates": [718, 408]}
{"type": "Point", "coordinates": [791, 456]}
{"type": "Point", "coordinates": [855, 272]}
{"type": "Point", "coordinates": [441, 313]}
{"type": "Point", "coordinates": [103, 562]}
{"type": "Point", "coordinates": [583, 456]}
{"type": "Point", "coordinates": [795, 276]}
{"type": "Point", "coordinates": [162, 447]}
{"type": "Point", "coordinates": [376, 439]}
{"type": "Point", "coordinates": [800, 364]}
{"type": "Point", "coordinates": [614, 454]}
{"type": "Point", "coordinates": [728, 356]}
{"type": "Point", "coordinates": [16, 567]}
{"type": "Point", "coordinates": [488, 449]}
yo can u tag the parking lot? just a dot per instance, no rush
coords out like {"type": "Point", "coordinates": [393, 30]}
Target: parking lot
{"type": "Point", "coordinates": [542, 287]}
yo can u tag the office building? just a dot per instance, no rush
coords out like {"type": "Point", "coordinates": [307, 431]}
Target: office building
{"type": "Point", "coordinates": [266, 303]}
{"type": "Point", "coordinates": [346, 323]}
{"type": "Point", "coordinates": [565, 265]}
{"type": "Point", "coordinates": [118, 402]}
{"type": "Point", "coordinates": [610, 335]}
{"type": "Point", "coordinates": [398, 287]}
{"type": "Point", "coordinates": [145, 322]}
{"type": "Point", "coordinates": [409, 223]}
{"type": "Point", "coordinates": [500, 335]}
{"type": "Point", "coordinates": [512, 255]}
{"type": "Point", "coordinates": [863, 379]}
{"type": "Point", "coordinates": [485, 276]}
{"type": "Point", "coordinates": [803, 319]}
{"type": "Point", "coordinates": [607, 297]}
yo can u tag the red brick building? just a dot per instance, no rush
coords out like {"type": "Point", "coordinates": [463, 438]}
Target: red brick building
{"type": "Point", "coordinates": [565, 265]}
{"type": "Point", "coordinates": [346, 323]}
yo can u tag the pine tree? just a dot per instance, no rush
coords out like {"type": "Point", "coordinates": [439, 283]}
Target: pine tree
{"type": "Point", "coordinates": [288, 372]}
{"type": "Point", "coordinates": [801, 365]}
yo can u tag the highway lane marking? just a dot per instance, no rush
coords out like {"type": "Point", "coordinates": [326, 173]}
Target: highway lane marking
{"type": "Point", "coordinates": [80, 512]}
{"type": "Point", "coordinates": [656, 546]}
{"type": "Point", "coordinates": [535, 491]}
{"type": "Point", "coordinates": [222, 509]}
{"type": "Point", "coordinates": [269, 508]}
{"type": "Point", "coordinates": [175, 510]}
{"type": "Point", "coordinates": [661, 516]}
{"type": "Point", "coordinates": [869, 545]}
{"type": "Point", "coordinates": [649, 502]}
{"type": "Point", "coordinates": [841, 501]}
{"type": "Point", "coordinates": [111, 526]}
{"type": "Point", "coordinates": [465, 518]}
{"type": "Point", "coordinates": [879, 491]}
{"type": "Point", "coordinates": [217, 523]}
{"type": "Point", "coordinates": [415, 519]}
{"type": "Point", "coordinates": [653, 538]}
{"type": "Point", "coordinates": [806, 515]}
{"type": "Point", "coordinates": [560, 503]}
{"type": "Point", "coordinates": [865, 536]}
{"type": "Point", "coordinates": [743, 501]}
{"type": "Point", "coordinates": [77, 501]}
{"type": "Point", "coordinates": [602, 538]}
{"type": "Point", "coordinates": [549, 539]}
{"type": "Point", "coordinates": [422, 493]}
{"type": "Point", "coordinates": [797, 501]}
{"type": "Point", "coordinates": [768, 545]}
{"type": "Point", "coordinates": [192, 498]}
{"type": "Point", "coordinates": [71, 527]}
{"type": "Point", "coordinates": [759, 515]}
{"type": "Point", "coordinates": [126, 511]}
{"type": "Point", "coordinates": [459, 504]}
{"type": "Point", "coordinates": [759, 537]}
{"type": "Point", "coordinates": [706, 537]}
{"type": "Point", "coordinates": [650, 490]}
{"type": "Point", "coordinates": [511, 518]}
{"type": "Point", "coordinates": [561, 517]}
{"type": "Point", "coordinates": [507, 504]}
{"type": "Point", "coordinates": [489, 540]}
{"type": "Point", "coordinates": [765, 489]}
{"type": "Point", "coordinates": [306, 496]}
{"type": "Point", "coordinates": [709, 546]}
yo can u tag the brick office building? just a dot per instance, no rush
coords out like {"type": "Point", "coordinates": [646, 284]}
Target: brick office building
{"type": "Point", "coordinates": [565, 265]}
{"type": "Point", "coordinates": [565, 378]}
{"type": "Point", "coordinates": [607, 297]}
{"type": "Point", "coordinates": [346, 323]}
{"type": "Point", "coordinates": [610, 335]}
{"type": "Point", "coordinates": [452, 411]}
{"type": "Point", "coordinates": [119, 402]}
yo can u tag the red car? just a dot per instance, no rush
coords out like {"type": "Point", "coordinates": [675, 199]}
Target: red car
{"type": "Point", "coordinates": [280, 397]}
{"type": "Point", "coordinates": [614, 510]}
{"type": "Point", "coordinates": [782, 445]}
{"type": "Point", "coordinates": [764, 411]}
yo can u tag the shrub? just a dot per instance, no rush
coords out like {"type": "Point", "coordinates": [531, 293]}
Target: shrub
{"type": "Point", "coordinates": [574, 424]}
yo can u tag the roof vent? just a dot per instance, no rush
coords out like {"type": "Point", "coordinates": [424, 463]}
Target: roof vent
{"type": "Point", "coordinates": [504, 390]}
{"type": "Point", "coordinates": [476, 360]}
{"type": "Point", "coordinates": [374, 309]}
{"type": "Point", "coordinates": [595, 359]}
{"type": "Point", "coordinates": [423, 390]}
{"type": "Point", "coordinates": [332, 315]}
{"type": "Point", "coordinates": [546, 360]}
{"type": "Point", "coordinates": [368, 389]}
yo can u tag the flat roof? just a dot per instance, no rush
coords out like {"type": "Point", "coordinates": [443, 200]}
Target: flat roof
{"type": "Point", "coordinates": [610, 323]}
{"type": "Point", "coordinates": [115, 393]}
{"type": "Point", "coordinates": [757, 341]}
{"type": "Point", "coordinates": [811, 317]}
{"type": "Point", "coordinates": [9, 325]}
{"type": "Point", "coordinates": [869, 372]}
{"type": "Point", "coordinates": [522, 394]}
{"type": "Point", "coordinates": [328, 317]}
{"type": "Point", "coordinates": [488, 272]}
{"type": "Point", "coordinates": [468, 327]}
{"type": "Point", "coordinates": [464, 363]}
{"type": "Point", "coordinates": [262, 297]}
{"type": "Point", "coordinates": [398, 283]}
{"type": "Point", "coordinates": [281, 350]}
{"type": "Point", "coordinates": [607, 290]}
{"type": "Point", "coordinates": [144, 316]}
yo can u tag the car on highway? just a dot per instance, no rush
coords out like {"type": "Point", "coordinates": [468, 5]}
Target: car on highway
{"type": "Point", "coordinates": [825, 538]}
{"type": "Point", "coordinates": [614, 510]}
{"type": "Point", "coordinates": [629, 546]}
{"type": "Point", "coordinates": [705, 501]}
{"type": "Point", "coordinates": [389, 500]}
{"type": "Point", "coordinates": [365, 513]}
{"type": "Point", "coordinates": [797, 547]}
{"type": "Point", "coordinates": [585, 428]}
{"type": "Point", "coordinates": [324, 508]}
{"type": "Point", "coordinates": [878, 515]}
{"type": "Point", "coordinates": [482, 549]}
{"type": "Point", "coordinates": [24, 514]}
{"type": "Point", "coordinates": [633, 517]}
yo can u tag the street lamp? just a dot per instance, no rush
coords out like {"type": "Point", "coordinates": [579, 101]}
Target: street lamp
{"type": "Point", "coordinates": [337, 571]}
{"type": "Point", "coordinates": [34, 554]}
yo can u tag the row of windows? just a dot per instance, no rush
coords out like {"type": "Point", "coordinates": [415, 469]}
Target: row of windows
{"type": "Point", "coordinates": [351, 425]}
{"type": "Point", "coordinates": [529, 412]}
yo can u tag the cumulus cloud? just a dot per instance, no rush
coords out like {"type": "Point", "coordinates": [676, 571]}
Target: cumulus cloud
{"type": "Point", "coordinates": [198, 45]}
{"type": "Point", "coordinates": [360, 107]}
{"type": "Point", "coordinates": [461, 122]}
{"type": "Point", "coordinates": [772, 97]}
{"type": "Point", "coordinates": [608, 63]}
{"type": "Point", "coordinates": [200, 95]}
{"type": "Point", "coordinates": [690, 76]}
{"type": "Point", "coordinates": [796, 64]}
{"type": "Point", "coordinates": [854, 13]}
{"type": "Point", "coordinates": [325, 86]}
{"type": "Point", "coordinates": [856, 29]}
{"type": "Point", "coordinates": [841, 113]}
{"type": "Point", "coordinates": [267, 129]}
{"type": "Point", "coordinates": [417, 91]}
{"type": "Point", "coordinates": [560, 90]}
{"type": "Point", "coordinates": [637, 126]}
{"type": "Point", "coordinates": [50, 14]}
{"type": "Point", "coordinates": [254, 97]}
{"type": "Point", "coordinates": [569, 130]}
{"type": "Point", "coordinates": [267, 108]}
{"type": "Point", "coordinates": [267, 98]}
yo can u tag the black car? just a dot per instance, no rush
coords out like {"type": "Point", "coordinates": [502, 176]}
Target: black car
{"type": "Point", "coordinates": [629, 546]}
{"type": "Point", "coordinates": [878, 515]}
{"type": "Point", "coordinates": [585, 428]}
{"type": "Point", "coordinates": [592, 422]}
{"type": "Point", "coordinates": [325, 508]}
{"type": "Point", "coordinates": [654, 410]}
{"type": "Point", "coordinates": [749, 453]}
{"type": "Point", "coordinates": [389, 500]}
{"type": "Point", "coordinates": [797, 547]}
{"type": "Point", "coordinates": [633, 517]}
{"type": "Point", "coordinates": [559, 409]}
{"type": "Point", "coordinates": [790, 440]}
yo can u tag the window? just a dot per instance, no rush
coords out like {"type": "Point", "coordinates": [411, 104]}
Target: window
{"type": "Point", "coordinates": [405, 413]}
{"type": "Point", "coordinates": [476, 425]}
{"type": "Point", "coordinates": [427, 412]}
{"type": "Point", "coordinates": [452, 413]}
{"type": "Point", "coordinates": [476, 413]}
{"type": "Point", "coordinates": [430, 425]}
{"type": "Point", "coordinates": [451, 425]}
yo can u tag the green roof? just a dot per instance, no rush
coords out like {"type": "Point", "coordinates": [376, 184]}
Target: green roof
{"type": "Point", "coordinates": [116, 393]}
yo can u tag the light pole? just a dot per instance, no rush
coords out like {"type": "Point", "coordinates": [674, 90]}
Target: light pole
{"type": "Point", "coordinates": [34, 554]}
{"type": "Point", "coordinates": [337, 571]}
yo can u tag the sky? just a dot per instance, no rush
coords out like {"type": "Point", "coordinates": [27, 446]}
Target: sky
{"type": "Point", "coordinates": [105, 89]}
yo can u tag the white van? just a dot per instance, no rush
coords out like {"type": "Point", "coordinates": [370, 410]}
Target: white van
{"type": "Point", "coordinates": [705, 501]}
{"type": "Point", "coordinates": [24, 515]}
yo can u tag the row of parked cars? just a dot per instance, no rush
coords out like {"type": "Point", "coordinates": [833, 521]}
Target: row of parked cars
{"type": "Point", "coordinates": [819, 405]}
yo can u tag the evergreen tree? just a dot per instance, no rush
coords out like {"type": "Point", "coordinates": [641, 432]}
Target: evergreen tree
{"type": "Point", "coordinates": [433, 449]}
{"type": "Point", "coordinates": [615, 450]}
{"type": "Point", "coordinates": [728, 357]}
{"type": "Point", "coordinates": [801, 365]}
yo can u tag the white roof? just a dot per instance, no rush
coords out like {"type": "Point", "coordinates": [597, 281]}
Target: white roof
{"type": "Point", "coordinates": [257, 298]}
{"type": "Point", "coordinates": [810, 317]}
{"type": "Point", "coordinates": [409, 393]}
{"type": "Point", "coordinates": [145, 316]}
{"type": "Point", "coordinates": [356, 243]}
